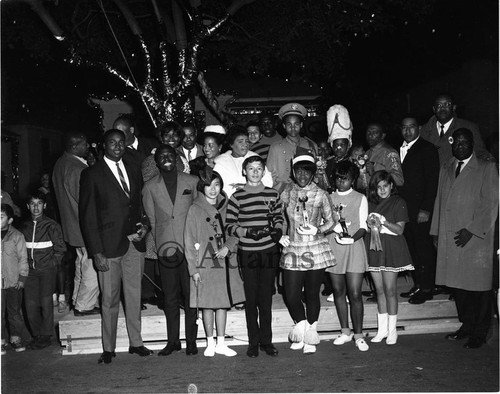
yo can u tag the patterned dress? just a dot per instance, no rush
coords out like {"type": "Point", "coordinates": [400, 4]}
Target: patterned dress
{"type": "Point", "coordinates": [307, 252]}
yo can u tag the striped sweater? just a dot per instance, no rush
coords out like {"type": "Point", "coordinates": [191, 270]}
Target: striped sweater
{"type": "Point", "coordinates": [249, 207]}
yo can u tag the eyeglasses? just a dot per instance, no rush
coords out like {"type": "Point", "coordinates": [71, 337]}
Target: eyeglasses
{"type": "Point", "coordinates": [446, 105]}
{"type": "Point", "coordinates": [408, 127]}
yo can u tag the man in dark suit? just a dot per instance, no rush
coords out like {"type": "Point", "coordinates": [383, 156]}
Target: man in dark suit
{"type": "Point", "coordinates": [110, 218]}
{"type": "Point", "coordinates": [440, 127]}
{"type": "Point", "coordinates": [420, 163]}
{"type": "Point", "coordinates": [189, 149]}
{"type": "Point", "coordinates": [167, 198]}
{"type": "Point", "coordinates": [138, 148]}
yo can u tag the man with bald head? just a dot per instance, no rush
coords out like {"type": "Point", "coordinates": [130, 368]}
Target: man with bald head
{"type": "Point", "coordinates": [463, 225]}
{"type": "Point", "coordinates": [167, 198]}
{"type": "Point", "coordinates": [443, 123]}
{"type": "Point", "coordinates": [66, 181]}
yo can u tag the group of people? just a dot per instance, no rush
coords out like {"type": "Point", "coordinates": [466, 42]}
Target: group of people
{"type": "Point", "coordinates": [213, 227]}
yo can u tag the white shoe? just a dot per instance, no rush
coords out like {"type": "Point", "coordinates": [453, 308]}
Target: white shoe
{"type": "Point", "coordinates": [297, 345]}
{"type": "Point", "coordinates": [225, 350]}
{"type": "Point", "coordinates": [343, 338]}
{"type": "Point", "coordinates": [330, 298]}
{"type": "Point", "coordinates": [383, 327]}
{"type": "Point", "coordinates": [209, 351]}
{"type": "Point", "coordinates": [309, 349]}
{"type": "Point", "coordinates": [362, 345]}
{"type": "Point", "coordinates": [392, 336]}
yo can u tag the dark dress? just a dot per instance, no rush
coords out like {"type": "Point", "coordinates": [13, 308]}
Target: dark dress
{"type": "Point", "coordinates": [395, 256]}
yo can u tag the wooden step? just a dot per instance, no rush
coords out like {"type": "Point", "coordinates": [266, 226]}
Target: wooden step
{"type": "Point", "coordinates": [82, 335]}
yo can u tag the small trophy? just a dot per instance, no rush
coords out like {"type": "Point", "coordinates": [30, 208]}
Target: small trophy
{"type": "Point", "coordinates": [305, 215]}
{"type": "Point", "coordinates": [339, 208]}
{"type": "Point", "coordinates": [219, 241]}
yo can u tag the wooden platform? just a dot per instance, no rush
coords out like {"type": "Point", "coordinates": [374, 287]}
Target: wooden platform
{"type": "Point", "coordinates": [82, 335]}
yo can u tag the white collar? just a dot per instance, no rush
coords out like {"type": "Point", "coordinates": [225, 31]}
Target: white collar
{"type": "Point", "coordinates": [408, 145]}
{"type": "Point", "coordinates": [465, 161]}
{"type": "Point", "coordinates": [112, 163]}
{"type": "Point", "coordinates": [344, 193]}
{"type": "Point", "coordinates": [446, 125]}
{"type": "Point", "coordinates": [134, 144]}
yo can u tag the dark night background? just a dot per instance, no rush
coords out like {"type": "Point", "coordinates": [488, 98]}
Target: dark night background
{"type": "Point", "coordinates": [365, 55]}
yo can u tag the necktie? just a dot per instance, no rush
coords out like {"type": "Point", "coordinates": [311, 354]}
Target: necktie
{"type": "Point", "coordinates": [459, 167]}
{"type": "Point", "coordinates": [189, 155]}
{"type": "Point", "coordinates": [441, 133]}
{"type": "Point", "coordinates": [122, 180]}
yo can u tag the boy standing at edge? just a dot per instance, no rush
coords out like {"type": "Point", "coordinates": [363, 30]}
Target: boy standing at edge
{"type": "Point", "coordinates": [46, 247]}
{"type": "Point", "coordinates": [14, 275]}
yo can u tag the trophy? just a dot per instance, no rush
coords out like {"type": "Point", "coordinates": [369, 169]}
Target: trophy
{"type": "Point", "coordinates": [339, 208]}
{"type": "Point", "coordinates": [305, 215]}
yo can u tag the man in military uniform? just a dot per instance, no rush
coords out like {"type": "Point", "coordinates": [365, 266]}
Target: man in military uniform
{"type": "Point", "coordinates": [281, 152]}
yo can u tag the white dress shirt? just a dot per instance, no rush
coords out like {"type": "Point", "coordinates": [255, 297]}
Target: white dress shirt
{"type": "Point", "coordinates": [112, 166]}
{"type": "Point", "coordinates": [403, 151]}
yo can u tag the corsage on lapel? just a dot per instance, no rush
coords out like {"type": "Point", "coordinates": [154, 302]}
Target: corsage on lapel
{"type": "Point", "coordinates": [186, 192]}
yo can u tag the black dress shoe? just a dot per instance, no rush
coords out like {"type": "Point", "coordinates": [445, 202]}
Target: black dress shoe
{"type": "Point", "coordinates": [474, 343]}
{"type": "Point", "coordinates": [142, 351]}
{"type": "Point", "coordinates": [106, 357]}
{"type": "Point", "coordinates": [94, 311]}
{"type": "Point", "coordinates": [407, 294]}
{"type": "Point", "coordinates": [421, 297]}
{"type": "Point", "coordinates": [326, 292]}
{"type": "Point", "coordinates": [368, 293]}
{"type": "Point", "coordinates": [457, 335]}
{"type": "Point", "coordinates": [151, 301]}
{"type": "Point", "coordinates": [169, 349]}
{"type": "Point", "coordinates": [269, 349]}
{"type": "Point", "coordinates": [253, 351]}
{"type": "Point", "coordinates": [191, 349]}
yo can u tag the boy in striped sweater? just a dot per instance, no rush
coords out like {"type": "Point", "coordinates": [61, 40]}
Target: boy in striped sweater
{"type": "Point", "coordinates": [254, 215]}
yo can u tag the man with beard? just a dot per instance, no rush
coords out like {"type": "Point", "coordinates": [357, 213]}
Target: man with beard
{"type": "Point", "coordinates": [110, 218]}
{"type": "Point", "coordinates": [443, 123]}
{"type": "Point", "coordinates": [465, 211]}
{"type": "Point", "coordinates": [167, 198]}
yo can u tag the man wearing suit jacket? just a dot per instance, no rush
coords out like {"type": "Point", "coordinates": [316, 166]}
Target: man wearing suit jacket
{"type": "Point", "coordinates": [66, 181]}
{"type": "Point", "coordinates": [138, 148]}
{"type": "Point", "coordinates": [167, 198]}
{"type": "Point", "coordinates": [110, 218]}
{"type": "Point", "coordinates": [189, 149]}
{"type": "Point", "coordinates": [440, 127]}
{"type": "Point", "coordinates": [420, 163]}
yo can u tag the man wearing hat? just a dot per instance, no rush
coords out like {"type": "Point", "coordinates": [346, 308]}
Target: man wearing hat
{"type": "Point", "coordinates": [281, 153]}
